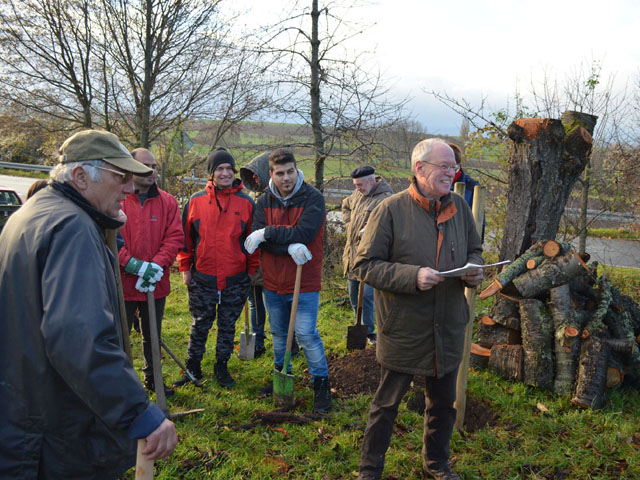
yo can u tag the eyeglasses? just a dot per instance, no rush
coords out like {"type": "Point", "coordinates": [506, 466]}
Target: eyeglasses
{"type": "Point", "coordinates": [126, 176]}
{"type": "Point", "coordinates": [444, 167]}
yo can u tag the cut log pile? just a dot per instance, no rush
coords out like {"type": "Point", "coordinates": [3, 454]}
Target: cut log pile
{"type": "Point", "coordinates": [556, 326]}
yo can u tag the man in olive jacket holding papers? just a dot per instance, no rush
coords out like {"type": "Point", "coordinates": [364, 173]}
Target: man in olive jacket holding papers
{"type": "Point", "coordinates": [422, 316]}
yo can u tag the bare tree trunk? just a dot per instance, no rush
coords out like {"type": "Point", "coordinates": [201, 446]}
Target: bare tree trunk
{"type": "Point", "coordinates": [314, 92]}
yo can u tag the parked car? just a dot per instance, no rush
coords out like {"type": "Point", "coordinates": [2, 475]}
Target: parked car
{"type": "Point", "coordinates": [9, 202]}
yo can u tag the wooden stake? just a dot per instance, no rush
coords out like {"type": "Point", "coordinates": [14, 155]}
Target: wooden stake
{"type": "Point", "coordinates": [479, 194]}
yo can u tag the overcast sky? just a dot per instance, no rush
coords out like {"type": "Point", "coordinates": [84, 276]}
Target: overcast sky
{"type": "Point", "coordinates": [490, 48]}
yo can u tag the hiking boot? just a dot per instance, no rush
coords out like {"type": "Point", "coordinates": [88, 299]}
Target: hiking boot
{"type": "Point", "coordinates": [222, 374]}
{"type": "Point", "coordinates": [444, 473]}
{"type": "Point", "coordinates": [259, 351]}
{"type": "Point", "coordinates": [196, 371]}
{"type": "Point", "coordinates": [150, 385]}
{"type": "Point", "coordinates": [322, 395]}
{"type": "Point", "coordinates": [372, 339]}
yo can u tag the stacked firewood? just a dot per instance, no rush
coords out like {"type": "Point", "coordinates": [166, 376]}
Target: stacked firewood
{"type": "Point", "coordinates": [556, 326]}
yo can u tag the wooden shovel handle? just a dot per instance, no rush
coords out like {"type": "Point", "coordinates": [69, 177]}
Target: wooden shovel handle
{"type": "Point", "coordinates": [294, 310]}
{"type": "Point", "coordinates": [246, 316]}
{"type": "Point", "coordinates": [144, 467]}
{"type": "Point", "coordinates": [359, 307]}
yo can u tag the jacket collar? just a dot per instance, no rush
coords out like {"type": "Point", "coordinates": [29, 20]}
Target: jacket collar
{"type": "Point", "coordinates": [153, 191]}
{"type": "Point", "coordinates": [103, 221]}
{"type": "Point", "coordinates": [443, 208]}
{"type": "Point", "coordinates": [235, 187]}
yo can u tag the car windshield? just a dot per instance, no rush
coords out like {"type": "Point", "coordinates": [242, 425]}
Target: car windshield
{"type": "Point", "coordinates": [9, 198]}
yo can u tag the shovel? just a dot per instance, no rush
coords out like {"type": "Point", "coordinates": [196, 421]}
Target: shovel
{"type": "Point", "coordinates": [357, 334]}
{"type": "Point", "coordinates": [282, 381]}
{"type": "Point", "coordinates": [247, 338]}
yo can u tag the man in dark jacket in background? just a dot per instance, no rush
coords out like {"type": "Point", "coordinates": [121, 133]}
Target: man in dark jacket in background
{"type": "Point", "coordinates": [421, 315]}
{"type": "Point", "coordinates": [356, 208]}
{"type": "Point", "coordinates": [214, 264]}
{"type": "Point", "coordinates": [255, 178]}
{"type": "Point", "coordinates": [71, 404]}
{"type": "Point", "coordinates": [152, 237]}
{"type": "Point", "coordinates": [289, 227]}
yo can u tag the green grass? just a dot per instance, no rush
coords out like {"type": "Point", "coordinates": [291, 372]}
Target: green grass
{"type": "Point", "coordinates": [24, 173]}
{"type": "Point", "coordinates": [225, 442]}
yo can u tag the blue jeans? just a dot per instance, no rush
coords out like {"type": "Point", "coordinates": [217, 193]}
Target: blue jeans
{"type": "Point", "coordinates": [257, 313]}
{"type": "Point", "coordinates": [367, 304]}
{"type": "Point", "coordinates": [306, 329]}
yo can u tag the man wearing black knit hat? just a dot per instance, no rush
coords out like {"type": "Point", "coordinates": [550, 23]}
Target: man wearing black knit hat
{"type": "Point", "coordinates": [356, 208]}
{"type": "Point", "coordinates": [214, 263]}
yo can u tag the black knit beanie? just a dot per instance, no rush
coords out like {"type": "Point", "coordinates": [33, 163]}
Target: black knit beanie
{"type": "Point", "coordinates": [219, 156]}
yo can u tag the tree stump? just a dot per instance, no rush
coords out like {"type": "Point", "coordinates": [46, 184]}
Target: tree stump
{"type": "Point", "coordinates": [547, 158]}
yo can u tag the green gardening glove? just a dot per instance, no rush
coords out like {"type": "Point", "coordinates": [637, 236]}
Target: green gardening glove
{"type": "Point", "coordinates": [149, 271]}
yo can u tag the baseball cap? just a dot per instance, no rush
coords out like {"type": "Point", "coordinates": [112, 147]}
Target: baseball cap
{"type": "Point", "coordinates": [99, 145]}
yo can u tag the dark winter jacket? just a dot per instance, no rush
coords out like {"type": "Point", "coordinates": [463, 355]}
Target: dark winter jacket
{"type": "Point", "coordinates": [301, 220]}
{"type": "Point", "coordinates": [153, 233]}
{"type": "Point", "coordinates": [419, 332]}
{"type": "Point", "coordinates": [216, 224]}
{"type": "Point", "coordinates": [71, 404]}
{"type": "Point", "coordinates": [356, 209]}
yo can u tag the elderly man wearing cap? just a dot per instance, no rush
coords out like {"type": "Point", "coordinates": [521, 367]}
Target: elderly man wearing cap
{"type": "Point", "coordinates": [356, 208]}
{"type": "Point", "coordinates": [214, 263]}
{"type": "Point", "coordinates": [71, 404]}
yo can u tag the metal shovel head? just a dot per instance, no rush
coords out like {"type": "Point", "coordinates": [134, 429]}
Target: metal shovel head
{"type": "Point", "coordinates": [357, 337]}
{"type": "Point", "coordinates": [247, 346]}
{"type": "Point", "coordinates": [282, 389]}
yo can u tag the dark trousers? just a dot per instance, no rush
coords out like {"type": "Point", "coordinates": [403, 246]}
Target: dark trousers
{"type": "Point", "coordinates": [258, 314]}
{"type": "Point", "coordinates": [142, 309]}
{"type": "Point", "coordinates": [439, 418]}
{"type": "Point", "coordinates": [206, 303]}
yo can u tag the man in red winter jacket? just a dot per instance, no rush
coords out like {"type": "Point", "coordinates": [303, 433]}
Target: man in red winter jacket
{"type": "Point", "coordinates": [152, 237]}
{"type": "Point", "coordinates": [214, 263]}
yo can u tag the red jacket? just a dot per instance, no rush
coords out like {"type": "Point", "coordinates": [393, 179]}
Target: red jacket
{"type": "Point", "coordinates": [152, 233]}
{"type": "Point", "coordinates": [301, 221]}
{"type": "Point", "coordinates": [216, 223]}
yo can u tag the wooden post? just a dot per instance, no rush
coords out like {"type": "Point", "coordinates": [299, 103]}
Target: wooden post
{"type": "Point", "coordinates": [479, 194]}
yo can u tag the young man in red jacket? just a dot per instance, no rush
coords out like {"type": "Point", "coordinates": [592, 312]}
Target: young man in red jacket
{"type": "Point", "coordinates": [152, 237]}
{"type": "Point", "coordinates": [214, 263]}
{"type": "Point", "coordinates": [289, 228]}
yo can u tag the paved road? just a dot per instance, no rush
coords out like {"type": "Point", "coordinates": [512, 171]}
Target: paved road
{"type": "Point", "coordinates": [618, 253]}
{"type": "Point", "coordinates": [19, 184]}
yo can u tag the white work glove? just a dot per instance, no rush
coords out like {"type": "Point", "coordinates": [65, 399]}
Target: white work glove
{"type": "Point", "coordinates": [152, 272]}
{"type": "Point", "coordinates": [299, 252]}
{"type": "Point", "coordinates": [254, 240]}
{"type": "Point", "coordinates": [144, 286]}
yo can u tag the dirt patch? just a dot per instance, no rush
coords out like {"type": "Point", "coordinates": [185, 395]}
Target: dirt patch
{"type": "Point", "coordinates": [359, 373]}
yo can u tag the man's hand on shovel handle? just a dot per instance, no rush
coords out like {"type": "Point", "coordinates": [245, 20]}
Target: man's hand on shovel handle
{"type": "Point", "coordinates": [161, 442]}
